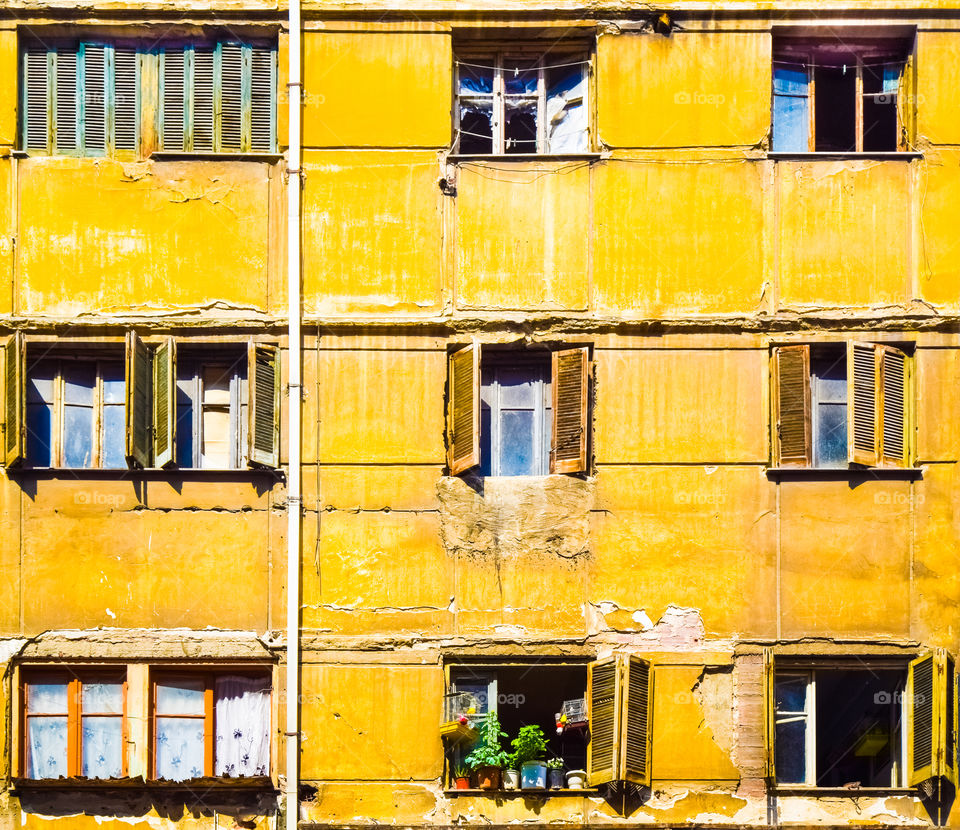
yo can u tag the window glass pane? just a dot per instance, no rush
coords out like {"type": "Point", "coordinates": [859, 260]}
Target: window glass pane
{"type": "Point", "coordinates": [831, 448]}
{"type": "Point", "coordinates": [79, 380]}
{"type": "Point", "coordinates": [517, 452]}
{"type": "Point", "coordinates": [103, 698]}
{"type": "Point", "coordinates": [114, 384]}
{"type": "Point", "coordinates": [790, 751]}
{"type": "Point", "coordinates": [476, 76]}
{"type": "Point", "coordinates": [476, 127]}
{"type": "Point", "coordinates": [47, 698]}
{"type": "Point", "coordinates": [791, 694]}
{"type": "Point", "coordinates": [40, 381]}
{"type": "Point", "coordinates": [520, 126]}
{"type": "Point", "coordinates": [185, 437]}
{"type": "Point", "coordinates": [880, 123]}
{"type": "Point", "coordinates": [179, 748]}
{"type": "Point", "coordinates": [102, 747]}
{"type": "Point", "coordinates": [77, 436]}
{"type": "Point", "coordinates": [46, 747]}
{"type": "Point", "coordinates": [566, 117]}
{"type": "Point", "coordinates": [114, 436]}
{"type": "Point", "coordinates": [180, 697]}
{"type": "Point", "coordinates": [791, 125]}
{"type": "Point", "coordinates": [479, 690]}
{"type": "Point", "coordinates": [40, 434]}
{"type": "Point", "coordinates": [519, 77]}
{"type": "Point", "coordinates": [519, 387]}
{"type": "Point", "coordinates": [216, 438]}
{"type": "Point", "coordinates": [216, 385]}
{"type": "Point", "coordinates": [243, 726]}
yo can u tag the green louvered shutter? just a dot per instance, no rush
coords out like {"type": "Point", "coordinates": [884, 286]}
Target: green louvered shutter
{"type": "Point", "coordinates": [65, 101]}
{"type": "Point", "coordinates": [263, 84]}
{"type": "Point", "coordinates": [263, 384]}
{"type": "Point", "coordinates": [164, 402]}
{"type": "Point", "coordinates": [139, 410]}
{"type": "Point", "coordinates": [231, 97]}
{"type": "Point", "coordinates": [125, 86]}
{"type": "Point", "coordinates": [14, 400]}
{"type": "Point", "coordinates": [94, 99]}
{"type": "Point", "coordinates": [173, 98]}
{"type": "Point", "coordinates": [202, 123]}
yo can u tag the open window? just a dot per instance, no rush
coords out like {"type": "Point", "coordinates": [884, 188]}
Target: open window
{"type": "Point", "coordinates": [839, 95]}
{"type": "Point", "coordinates": [516, 413]}
{"type": "Point", "coordinates": [522, 99]}
{"type": "Point", "coordinates": [838, 404]}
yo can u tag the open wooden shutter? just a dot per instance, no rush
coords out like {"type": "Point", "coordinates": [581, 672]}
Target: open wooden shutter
{"type": "Point", "coordinates": [769, 716]}
{"type": "Point", "coordinates": [263, 84]}
{"type": "Point", "coordinates": [923, 744]}
{"type": "Point", "coordinates": [65, 101]}
{"type": "Point", "coordinates": [173, 98]}
{"type": "Point", "coordinates": [463, 418]}
{"type": "Point", "coordinates": [164, 402]}
{"type": "Point", "coordinates": [14, 400]}
{"type": "Point", "coordinates": [36, 89]}
{"type": "Point", "coordinates": [862, 411]}
{"type": "Point", "coordinates": [570, 384]}
{"type": "Point", "coordinates": [793, 443]}
{"type": "Point", "coordinates": [603, 711]}
{"type": "Point", "coordinates": [94, 98]}
{"type": "Point", "coordinates": [125, 86]}
{"type": "Point", "coordinates": [139, 386]}
{"type": "Point", "coordinates": [636, 723]}
{"type": "Point", "coordinates": [894, 387]}
{"type": "Point", "coordinates": [263, 387]}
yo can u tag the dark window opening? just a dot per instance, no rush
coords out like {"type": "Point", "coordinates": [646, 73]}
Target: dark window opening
{"type": "Point", "coordinates": [836, 125]}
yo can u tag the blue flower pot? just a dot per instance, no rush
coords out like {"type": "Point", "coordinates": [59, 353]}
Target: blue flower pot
{"type": "Point", "coordinates": [533, 776]}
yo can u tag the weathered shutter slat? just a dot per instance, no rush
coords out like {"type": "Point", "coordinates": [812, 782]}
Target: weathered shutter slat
{"type": "Point", "coordinates": [125, 97]}
{"type": "Point", "coordinates": [949, 719]}
{"type": "Point", "coordinates": [66, 100]}
{"type": "Point", "coordinates": [894, 408]}
{"type": "Point", "coordinates": [636, 722]}
{"type": "Point", "coordinates": [36, 84]}
{"type": "Point", "coordinates": [262, 86]}
{"type": "Point", "coordinates": [14, 400]}
{"type": "Point", "coordinates": [793, 441]}
{"type": "Point", "coordinates": [139, 386]}
{"type": "Point", "coordinates": [769, 716]}
{"type": "Point", "coordinates": [921, 719]}
{"type": "Point", "coordinates": [570, 384]}
{"type": "Point", "coordinates": [94, 98]}
{"type": "Point", "coordinates": [603, 702]}
{"type": "Point", "coordinates": [174, 95]}
{"type": "Point", "coordinates": [231, 96]}
{"type": "Point", "coordinates": [263, 385]}
{"type": "Point", "coordinates": [463, 420]}
{"type": "Point", "coordinates": [862, 403]}
{"type": "Point", "coordinates": [203, 96]}
{"type": "Point", "coordinates": [164, 402]}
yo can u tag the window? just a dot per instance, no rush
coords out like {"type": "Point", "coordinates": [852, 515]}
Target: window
{"type": "Point", "coordinates": [79, 98]}
{"type": "Point", "coordinates": [73, 725]}
{"type": "Point", "coordinates": [218, 97]}
{"type": "Point", "coordinates": [500, 416]}
{"type": "Point", "coordinates": [208, 724]}
{"type": "Point", "coordinates": [838, 96]}
{"type": "Point", "coordinates": [840, 404]}
{"type": "Point", "coordinates": [102, 98]}
{"type": "Point", "coordinates": [522, 100]}
{"type": "Point", "coordinates": [93, 409]}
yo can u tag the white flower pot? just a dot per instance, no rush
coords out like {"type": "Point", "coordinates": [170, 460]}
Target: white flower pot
{"type": "Point", "coordinates": [511, 779]}
{"type": "Point", "coordinates": [576, 779]}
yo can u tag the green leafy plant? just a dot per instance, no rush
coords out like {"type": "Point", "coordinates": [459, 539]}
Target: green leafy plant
{"type": "Point", "coordinates": [488, 751]}
{"type": "Point", "coordinates": [555, 763]}
{"type": "Point", "coordinates": [461, 771]}
{"type": "Point", "coordinates": [529, 745]}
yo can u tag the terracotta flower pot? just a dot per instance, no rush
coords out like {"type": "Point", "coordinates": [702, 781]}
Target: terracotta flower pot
{"type": "Point", "coordinates": [462, 783]}
{"type": "Point", "coordinates": [488, 778]}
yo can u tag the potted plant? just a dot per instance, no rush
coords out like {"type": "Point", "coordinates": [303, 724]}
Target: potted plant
{"type": "Point", "coordinates": [488, 756]}
{"type": "Point", "coordinates": [461, 777]}
{"type": "Point", "coordinates": [576, 779]}
{"type": "Point", "coordinates": [511, 773]}
{"type": "Point", "coordinates": [555, 773]}
{"type": "Point", "coordinates": [529, 747]}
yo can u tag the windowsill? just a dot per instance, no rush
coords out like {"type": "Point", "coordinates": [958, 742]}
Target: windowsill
{"type": "Point", "coordinates": [173, 155]}
{"type": "Point", "coordinates": [454, 793]}
{"type": "Point", "coordinates": [809, 789]}
{"type": "Point", "coordinates": [260, 782]}
{"type": "Point", "coordinates": [843, 473]}
{"type": "Point", "coordinates": [906, 155]}
{"type": "Point", "coordinates": [501, 157]}
{"type": "Point", "coordinates": [80, 473]}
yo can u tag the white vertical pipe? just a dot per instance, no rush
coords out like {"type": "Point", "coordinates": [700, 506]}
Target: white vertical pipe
{"type": "Point", "coordinates": [292, 732]}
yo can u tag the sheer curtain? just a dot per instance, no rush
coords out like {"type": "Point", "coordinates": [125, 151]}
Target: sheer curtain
{"type": "Point", "coordinates": [243, 726]}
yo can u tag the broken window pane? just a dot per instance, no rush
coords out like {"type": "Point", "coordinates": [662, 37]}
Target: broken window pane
{"type": "Point", "coordinates": [520, 125]}
{"type": "Point", "coordinates": [476, 126]}
{"type": "Point", "coordinates": [519, 77]}
{"type": "Point", "coordinates": [475, 78]}
{"type": "Point", "coordinates": [791, 108]}
{"type": "Point", "coordinates": [566, 116]}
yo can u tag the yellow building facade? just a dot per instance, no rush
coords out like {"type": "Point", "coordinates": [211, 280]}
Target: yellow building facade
{"type": "Point", "coordinates": [629, 368]}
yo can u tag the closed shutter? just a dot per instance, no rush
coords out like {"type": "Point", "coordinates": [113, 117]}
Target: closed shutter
{"type": "Point", "coordinates": [36, 99]}
{"type": "Point", "coordinates": [65, 102]}
{"type": "Point", "coordinates": [203, 95]}
{"type": "Point", "coordinates": [125, 83]}
{"type": "Point", "coordinates": [174, 95]}
{"type": "Point", "coordinates": [769, 716]}
{"type": "Point", "coordinates": [164, 402]}
{"type": "Point", "coordinates": [139, 386]}
{"type": "Point", "coordinates": [262, 90]}
{"type": "Point", "coordinates": [862, 390]}
{"type": "Point", "coordinates": [463, 417]}
{"type": "Point", "coordinates": [603, 700]}
{"type": "Point", "coordinates": [95, 99]}
{"type": "Point", "coordinates": [922, 743]}
{"type": "Point", "coordinates": [14, 400]}
{"type": "Point", "coordinates": [231, 96]}
{"type": "Point", "coordinates": [949, 719]}
{"type": "Point", "coordinates": [636, 721]}
{"type": "Point", "coordinates": [570, 384]}
{"type": "Point", "coordinates": [263, 382]}
{"type": "Point", "coordinates": [893, 411]}
{"type": "Point", "coordinates": [792, 439]}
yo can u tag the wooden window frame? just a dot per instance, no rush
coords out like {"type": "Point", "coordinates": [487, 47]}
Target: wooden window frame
{"type": "Point", "coordinates": [75, 680]}
{"type": "Point", "coordinates": [498, 57]}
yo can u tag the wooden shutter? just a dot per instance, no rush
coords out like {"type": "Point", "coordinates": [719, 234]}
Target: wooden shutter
{"type": "Point", "coordinates": [636, 722]}
{"type": "Point", "coordinates": [570, 385]}
{"type": "Point", "coordinates": [923, 745]}
{"type": "Point", "coordinates": [94, 98]}
{"type": "Point", "coordinates": [862, 411]}
{"type": "Point", "coordinates": [14, 400]}
{"type": "Point", "coordinates": [174, 96]}
{"type": "Point", "coordinates": [125, 86]}
{"type": "Point", "coordinates": [793, 442]}
{"type": "Point", "coordinates": [203, 96]}
{"type": "Point", "coordinates": [36, 88]}
{"type": "Point", "coordinates": [231, 96]}
{"type": "Point", "coordinates": [263, 386]}
{"type": "Point", "coordinates": [949, 719]}
{"type": "Point", "coordinates": [894, 439]}
{"type": "Point", "coordinates": [164, 402]}
{"type": "Point", "coordinates": [603, 712]}
{"type": "Point", "coordinates": [139, 387]}
{"type": "Point", "coordinates": [65, 101]}
{"type": "Point", "coordinates": [263, 84]}
{"type": "Point", "coordinates": [769, 715]}
{"type": "Point", "coordinates": [463, 417]}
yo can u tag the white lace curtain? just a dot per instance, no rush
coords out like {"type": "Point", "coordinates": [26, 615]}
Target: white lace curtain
{"type": "Point", "coordinates": [243, 726]}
